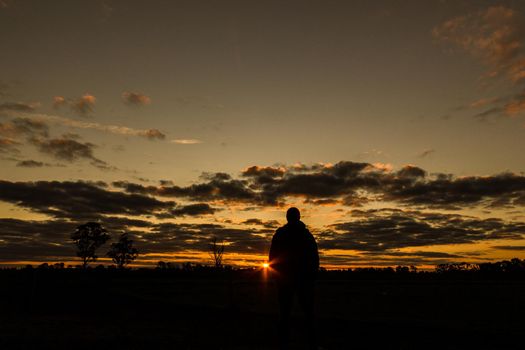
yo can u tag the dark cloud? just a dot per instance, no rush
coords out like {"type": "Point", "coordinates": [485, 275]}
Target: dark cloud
{"type": "Point", "coordinates": [152, 134]}
{"type": "Point", "coordinates": [70, 150]}
{"type": "Point", "coordinates": [509, 247]}
{"type": "Point", "coordinates": [179, 237]}
{"type": "Point", "coordinates": [17, 107]}
{"type": "Point", "coordinates": [35, 240]}
{"type": "Point", "coordinates": [219, 187]}
{"type": "Point", "coordinates": [30, 164]}
{"type": "Point", "coordinates": [79, 200]}
{"type": "Point", "coordinates": [24, 127]}
{"type": "Point", "coordinates": [135, 98]}
{"type": "Point", "coordinates": [66, 149]}
{"type": "Point", "coordinates": [263, 172]}
{"type": "Point", "coordinates": [196, 209]}
{"type": "Point", "coordinates": [351, 184]}
{"type": "Point", "coordinates": [411, 171]}
{"type": "Point", "coordinates": [388, 229]}
{"type": "Point", "coordinates": [445, 192]}
{"type": "Point", "coordinates": [49, 240]}
{"type": "Point", "coordinates": [270, 224]}
{"type": "Point", "coordinates": [494, 111]}
{"type": "Point", "coordinates": [8, 146]}
{"type": "Point", "coordinates": [426, 153]}
{"type": "Point", "coordinates": [134, 188]}
{"type": "Point", "coordinates": [423, 254]}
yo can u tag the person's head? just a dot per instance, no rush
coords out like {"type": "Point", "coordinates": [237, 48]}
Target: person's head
{"type": "Point", "coordinates": [293, 215]}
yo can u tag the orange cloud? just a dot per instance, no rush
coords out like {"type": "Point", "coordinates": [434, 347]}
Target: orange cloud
{"type": "Point", "coordinates": [493, 34]}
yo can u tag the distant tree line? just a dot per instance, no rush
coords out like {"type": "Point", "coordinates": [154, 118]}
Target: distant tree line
{"type": "Point", "coordinates": [508, 269]}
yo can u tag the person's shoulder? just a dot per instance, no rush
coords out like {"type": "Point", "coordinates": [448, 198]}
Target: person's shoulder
{"type": "Point", "coordinates": [280, 231]}
{"type": "Point", "coordinates": [308, 233]}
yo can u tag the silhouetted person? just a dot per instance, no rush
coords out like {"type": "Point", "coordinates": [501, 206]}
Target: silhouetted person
{"type": "Point", "coordinates": [295, 261]}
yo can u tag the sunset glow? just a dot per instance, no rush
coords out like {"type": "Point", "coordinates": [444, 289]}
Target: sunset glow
{"type": "Point", "coordinates": [397, 130]}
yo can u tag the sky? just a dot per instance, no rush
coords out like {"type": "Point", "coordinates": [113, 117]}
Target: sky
{"type": "Point", "coordinates": [396, 127]}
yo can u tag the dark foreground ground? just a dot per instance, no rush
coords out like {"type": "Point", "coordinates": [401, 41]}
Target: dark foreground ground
{"type": "Point", "coordinates": [157, 310]}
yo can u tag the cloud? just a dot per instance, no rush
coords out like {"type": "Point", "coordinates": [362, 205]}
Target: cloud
{"type": "Point", "coordinates": [18, 106]}
{"type": "Point", "coordinates": [348, 183]}
{"type": "Point", "coordinates": [483, 102]}
{"type": "Point", "coordinates": [59, 101]}
{"type": "Point", "coordinates": [30, 164]}
{"type": "Point", "coordinates": [24, 127]}
{"type": "Point", "coordinates": [84, 104]}
{"type": "Point", "coordinates": [270, 224]}
{"type": "Point", "coordinates": [135, 98]}
{"type": "Point", "coordinates": [193, 210]}
{"type": "Point", "coordinates": [219, 187]}
{"type": "Point", "coordinates": [263, 172]}
{"type": "Point", "coordinates": [387, 229]}
{"type": "Point", "coordinates": [411, 171]}
{"type": "Point", "coordinates": [449, 193]}
{"type": "Point", "coordinates": [38, 240]}
{"type": "Point", "coordinates": [8, 145]}
{"type": "Point", "coordinates": [516, 105]}
{"type": "Point", "coordinates": [509, 247]}
{"type": "Point", "coordinates": [426, 153]}
{"type": "Point", "coordinates": [79, 200]}
{"type": "Point", "coordinates": [36, 132]}
{"type": "Point", "coordinates": [179, 237]}
{"type": "Point", "coordinates": [186, 141]}
{"type": "Point", "coordinates": [151, 134]}
{"type": "Point", "coordinates": [380, 235]}
{"type": "Point", "coordinates": [494, 35]}
{"type": "Point", "coordinates": [66, 149]}
{"type": "Point", "coordinates": [48, 240]}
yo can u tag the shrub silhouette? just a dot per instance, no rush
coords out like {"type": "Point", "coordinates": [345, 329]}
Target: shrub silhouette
{"type": "Point", "coordinates": [123, 251]}
{"type": "Point", "coordinates": [88, 238]}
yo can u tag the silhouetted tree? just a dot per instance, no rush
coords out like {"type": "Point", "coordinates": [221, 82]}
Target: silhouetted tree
{"type": "Point", "coordinates": [88, 238]}
{"type": "Point", "coordinates": [123, 252]}
{"type": "Point", "coordinates": [216, 252]}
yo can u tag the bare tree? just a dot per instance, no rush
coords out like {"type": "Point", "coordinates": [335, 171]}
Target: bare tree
{"type": "Point", "coordinates": [88, 238]}
{"type": "Point", "coordinates": [123, 251]}
{"type": "Point", "coordinates": [216, 252]}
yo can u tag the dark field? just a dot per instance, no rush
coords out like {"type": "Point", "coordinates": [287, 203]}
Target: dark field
{"type": "Point", "coordinates": [73, 309]}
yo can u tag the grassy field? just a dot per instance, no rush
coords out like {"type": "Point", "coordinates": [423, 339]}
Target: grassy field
{"type": "Point", "coordinates": [153, 310]}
